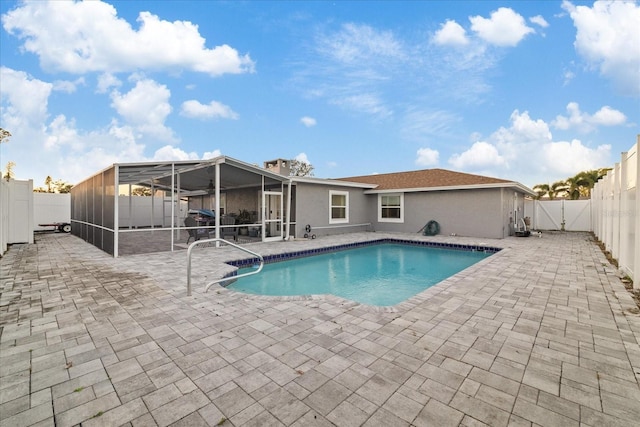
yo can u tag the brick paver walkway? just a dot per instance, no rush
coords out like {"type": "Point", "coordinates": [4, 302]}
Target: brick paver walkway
{"type": "Point", "coordinates": [542, 333]}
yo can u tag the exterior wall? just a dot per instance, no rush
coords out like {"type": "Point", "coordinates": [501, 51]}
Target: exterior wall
{"type": "Point", "coordinates": [474, 213]}
{"type": "Point", "coordinates": [242, 199]}
{"type": "Point", "coordinates": [50, 208]}
{"type": "Point", "coordinates": [312, 208]}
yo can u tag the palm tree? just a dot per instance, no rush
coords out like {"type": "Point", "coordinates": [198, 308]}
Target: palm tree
{"type": "Point", "coordinates": [574, 186]}
{"type": "Point", "coordinates": [557, 189]}
{"type": "Point", "coordinates": [48, 182]}
{"type": "Point", "coordinates": [541, 190]}
{"type": "Point", "coordinates": [589, 179]}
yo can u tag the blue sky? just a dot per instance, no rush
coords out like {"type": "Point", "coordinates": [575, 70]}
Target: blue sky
{"type": "Point", "coordinates": [529, 91]}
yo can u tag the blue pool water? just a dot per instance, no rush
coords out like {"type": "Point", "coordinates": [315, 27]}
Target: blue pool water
{"type": "Point", "coordinates": [380, 275]}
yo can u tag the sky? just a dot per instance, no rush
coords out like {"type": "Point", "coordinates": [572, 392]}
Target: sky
{"type": "Point", "coordinates": [532, 92]}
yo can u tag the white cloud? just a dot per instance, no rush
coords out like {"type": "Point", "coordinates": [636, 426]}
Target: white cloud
{"type": "Point", "coordinates": [302, 157]}
{"type": "Point", "coordinates": [504, 28]}
{"type": "Point", "coordinates": [525, 151]}
{"type": "Point", "coordinates": [568, 75]}
{"type": "Point", "coordinates": [349, 64]}
{"type": "Point", "coordinates": [64, 150]}
{"type": "Point", "coordinates": [451, 33]}
{"type": "Point", "coordinates": [169, 152]}
{"type": "Point", "coordinates": [62, 132]}
{"type": "Point", "coordinates": [106, 81]}
{"type": "Point", "coordinates": [213, 110]}
{"type": "Point", "coordinates": [89, 36]}
{"type": "Point", "coordinates": [24, 98]}
{"type": "Point", "coordinates": [308, 121]}
{"type": "Point", "coordinates": [369, 103]}
{"type": "Point", "coordinates": [481, 155]}
{"type": "Point", "coordinates": [584, 122]}
{"type": "Point", "coordinates": [607, 38]}
{"type": "Point", "coordinates": [607, 116]}
{"type": "Point", "coordinates": [211, 154]}
{"type": "Point", "coordinates": [67, 86]}
{"type": "Point", "coordinates": [355, 43]}
{"type": "Point", "coordinates": [146, 106]}
{"type": "Point", "coordinates": [539, 20]}
{"type": "Point", "coordinates": [427, 157]}
{"type": "Point", "coordinates": [424, 125]}
{"type": "Point", "coordinates": [568, 158]}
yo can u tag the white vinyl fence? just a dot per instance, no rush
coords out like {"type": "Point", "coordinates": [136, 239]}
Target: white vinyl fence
{"type": "Point", "coordinates": [16, 212]}
{"type": "Point", "coordinates": [567, 215]}
{"type": "Point", "coordinates": [50, 208]}
{"type": "Point", "coordinates": [4, 215]}
{"type": "Point", "coordinates": [616, 204]}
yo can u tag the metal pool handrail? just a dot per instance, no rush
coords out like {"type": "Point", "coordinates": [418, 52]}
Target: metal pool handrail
{"type": "Point", "coordinates": [217, 240]}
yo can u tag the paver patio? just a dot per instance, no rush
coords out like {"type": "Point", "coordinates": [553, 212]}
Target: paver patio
{"type": "Point", "coordinates": [542, 333]}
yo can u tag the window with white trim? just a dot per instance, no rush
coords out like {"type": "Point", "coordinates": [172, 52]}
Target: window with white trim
{"type": "Point", "coordinates": [391, 207]}
{"type": "Point", "coordinates": [338, 207]}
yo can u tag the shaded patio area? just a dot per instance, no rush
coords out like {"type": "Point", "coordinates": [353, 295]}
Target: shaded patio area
{"type": "Point", "coordinates": [541, 333]}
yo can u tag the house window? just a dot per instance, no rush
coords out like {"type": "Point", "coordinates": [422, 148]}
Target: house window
{"type": "Point", "coordinates": [391, 207]}
{"type": "Point", "coordinates": [339, 207]}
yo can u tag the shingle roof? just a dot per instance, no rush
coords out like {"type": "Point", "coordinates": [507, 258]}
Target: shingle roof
{"type": "Point", "coordinates": [425, 178]}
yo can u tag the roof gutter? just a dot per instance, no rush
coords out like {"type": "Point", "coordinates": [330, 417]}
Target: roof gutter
{"type": "Point", "coordinates": [514, 185]}
{"type": "Point", "coordinates": [322, 181]}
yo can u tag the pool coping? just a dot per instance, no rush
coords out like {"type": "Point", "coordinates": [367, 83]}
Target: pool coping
{"type": "Point", "coordinates": [401, 306]}
{"type": "Point", "coordinates": [247, 262]}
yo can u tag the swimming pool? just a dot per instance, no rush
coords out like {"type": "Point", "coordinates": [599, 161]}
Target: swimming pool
{"type": "Point", "coordinates": [381, 274]}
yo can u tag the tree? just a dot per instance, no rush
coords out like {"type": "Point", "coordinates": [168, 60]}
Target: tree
{"type": "Point", "coordinates": [62, 187]}
{"type": "Point", "coordinates": [574, 188]}
{"type": "Point", "coordinates": [141, 191]}
{"type": "Point", "coordinates": [300, 168]}
{"type": "Point", "coordinates": [558, 189]}
{"type": "Point", "coordinates": [9, 174]}
{"type": "Point", "coordinates": [51, 186]}
{"type": "Point", "coordinates": [4, 135]}
{"type": "Point", "coordinates": [541, 190]}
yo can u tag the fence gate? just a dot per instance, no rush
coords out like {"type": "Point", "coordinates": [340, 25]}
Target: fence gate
{"type": "Point", "coordinates": [569, 215]}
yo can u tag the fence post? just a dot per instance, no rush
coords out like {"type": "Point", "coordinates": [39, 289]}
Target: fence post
{"type": "Point", "coordinates": [635, 274]}
{"type": "Point", "coordinates": [624, 220]}
{"type": "Point", "coordinates": [615, 212]}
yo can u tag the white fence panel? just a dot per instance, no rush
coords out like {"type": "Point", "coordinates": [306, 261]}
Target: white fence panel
{"type": "Point", "coordinates": [19, 204]}
{"type": "Point", "coordinates": [568, 215]}
{"type": "Point", "coordinates": [577, 215]}
{"type": "Point", "coordinates": [49, 208]}
{"type": "Point", "coordinates": [4, 215]}
{"type": "Point", "coordinates": [615, 219]}
{"type": "Point", "coordinates": [548, 214]}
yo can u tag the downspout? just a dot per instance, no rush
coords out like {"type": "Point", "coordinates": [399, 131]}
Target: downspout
{"type": "Point", "coordinates": [130, 209]}
{"type": "Point", "coordinates": [217, 206]}
{"type": "Point", "coordinates": [116, 210]}
{"type": "Point", "coordinates": [178, 186]}
{"type": "Point", "coordinates": [264, 211]}
{"type": "Point", "coordinates": [173, 200]}
{"type": "Point", "coordinates": [153, 206]}
{"type": "Point", "coordinates": [287, 236]}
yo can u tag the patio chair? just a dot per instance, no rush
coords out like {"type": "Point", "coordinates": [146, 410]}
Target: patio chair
{"type": "Point", "coordinates": [196, 233]}
{"type": "Point", "coordinates": [226, 220]}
